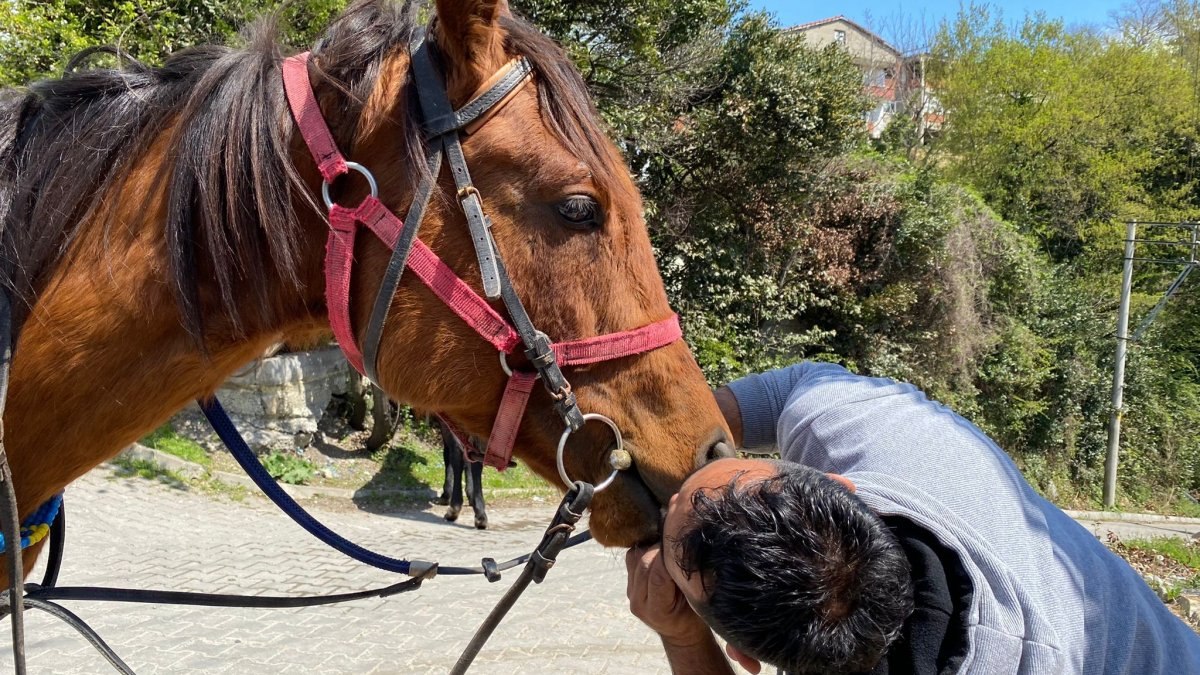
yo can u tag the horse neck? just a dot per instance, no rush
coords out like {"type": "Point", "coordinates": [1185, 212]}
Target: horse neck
{"type": "Point", "coordinates": [104, 357]}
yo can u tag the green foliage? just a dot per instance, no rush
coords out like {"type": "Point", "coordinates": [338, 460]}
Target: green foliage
{"type": "Point", "coordinates": [1056, 127]}
{"type": "Point", "coordinates": [413, 463]}
{"type": "Point", "coordinates": [39, 37]}
{"type": "Point", "coordinates": [1180, 550]}
{"type": "Point", "coordinates": [128, 468]}
{"type": "Point", "coordinates": [983, 266]}
{"type": "Point", "coordinates": [289, 468]}
{"type": "Point", "coordinates": [165, 439]}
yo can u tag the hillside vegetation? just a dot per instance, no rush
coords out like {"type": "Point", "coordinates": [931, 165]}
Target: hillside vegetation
{"type": "Point", "coordinates": [981, 262]}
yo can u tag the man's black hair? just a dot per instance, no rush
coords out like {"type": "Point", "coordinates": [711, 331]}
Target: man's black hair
{"type": "Point", "coordinates": [798, 572]}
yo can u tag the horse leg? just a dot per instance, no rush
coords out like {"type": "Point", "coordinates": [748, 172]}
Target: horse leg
{"type": "Point", "coordinates": [454, 472]}
{"type": "Point", "coordinates": [449, 448]}
{"type": "Point", "coordinates": [475, 490]}
{"type": "Point", "coordinates": [456, 487]}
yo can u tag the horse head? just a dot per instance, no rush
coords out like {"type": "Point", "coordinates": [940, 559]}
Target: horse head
{"type": "Point", "coordinates": [567, 223]}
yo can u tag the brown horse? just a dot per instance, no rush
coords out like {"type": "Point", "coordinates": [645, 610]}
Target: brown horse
{"type": "Point", "coordinates": [161, 229]}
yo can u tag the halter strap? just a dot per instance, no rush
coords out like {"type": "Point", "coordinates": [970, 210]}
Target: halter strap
{"type": "Point", "coordinates": [306, 110]}
{"type": "Point", "coordinates": [409, 252]}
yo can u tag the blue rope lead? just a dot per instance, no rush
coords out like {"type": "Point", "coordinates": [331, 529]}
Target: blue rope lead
{"type": "Point", "coordinates": [37, 526]}
{"type": "Point", "coordinates": [229, 435]}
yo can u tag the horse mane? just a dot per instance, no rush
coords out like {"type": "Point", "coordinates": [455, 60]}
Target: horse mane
{"type": "Point", "coordinates": [67, 145]}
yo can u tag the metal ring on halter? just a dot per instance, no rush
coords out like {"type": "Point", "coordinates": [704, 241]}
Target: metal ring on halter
{"type": "Point", "coordinates": [509, 371]}
{"type": "Point", "coordinates": [362, 171]}
{"type": "Point", "coordinates": [504, 358]}
{"type": "Point", "coordinates": [562, 444]}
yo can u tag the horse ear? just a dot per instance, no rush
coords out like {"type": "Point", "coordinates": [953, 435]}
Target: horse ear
{"type": "Point", "coordinates": [470, 37]}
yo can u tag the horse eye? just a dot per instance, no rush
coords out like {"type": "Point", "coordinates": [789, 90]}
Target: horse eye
{"type": "Point", "coordinates": [580, 212]}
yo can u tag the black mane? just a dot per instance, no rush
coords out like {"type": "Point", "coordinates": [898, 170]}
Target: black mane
{"type": "Point", "coordinates": [65, 144]}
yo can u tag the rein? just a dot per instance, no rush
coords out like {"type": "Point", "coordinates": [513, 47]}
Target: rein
{"type": "Point", "coordinates": [443, 126]}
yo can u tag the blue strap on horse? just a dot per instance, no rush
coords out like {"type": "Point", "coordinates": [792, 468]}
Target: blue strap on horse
{"type": "Point", "coordinates": [229, 435]}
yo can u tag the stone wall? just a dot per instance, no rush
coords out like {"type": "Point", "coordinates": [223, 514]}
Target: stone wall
{"type": "Point", "coordinates": [276, 402]}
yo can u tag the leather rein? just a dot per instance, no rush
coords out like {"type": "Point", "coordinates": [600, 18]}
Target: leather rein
{"type": "Point", "coordinates": [443, 127]}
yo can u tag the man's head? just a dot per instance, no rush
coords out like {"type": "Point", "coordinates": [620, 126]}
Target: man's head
{"type": "Point", "coordinates": [787, 565]}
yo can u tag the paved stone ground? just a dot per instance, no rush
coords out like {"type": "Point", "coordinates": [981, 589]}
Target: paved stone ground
{"type": "Point", "coordinates": [134, 533]}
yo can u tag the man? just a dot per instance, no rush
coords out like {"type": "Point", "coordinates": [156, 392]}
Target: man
{"type": "Point", "coordinates": [894, 538]}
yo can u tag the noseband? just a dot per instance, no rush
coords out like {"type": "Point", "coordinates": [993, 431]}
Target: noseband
{"type": "Point", "coordinates": [443, 128]}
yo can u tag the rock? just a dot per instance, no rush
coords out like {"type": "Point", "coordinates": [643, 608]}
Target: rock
{"type": "Point", "coordinates": [1051, 491]}
{"type": "Point", "coordinates": [1158, 585]}
{"type": "Point", "coordinates": [1189, 603]}
{"type": "Point", "coordinates": [277, 401]}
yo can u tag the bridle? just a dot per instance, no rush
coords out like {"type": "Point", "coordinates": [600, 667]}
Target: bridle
{"type": "Point", "coordinates": [443, 128]}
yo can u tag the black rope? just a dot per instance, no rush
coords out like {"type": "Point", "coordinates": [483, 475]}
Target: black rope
{"type": "Point", "coordinates": [156, 597]}
{"type": "Point", "coordinates": [572, 508]}
{"type": "Point", "coordinates": [58, 543]}
{"type": "Point", "coordinates": [68, 617]}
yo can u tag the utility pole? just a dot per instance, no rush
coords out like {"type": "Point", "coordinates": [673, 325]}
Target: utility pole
{"type": "Point", "coordinates": [1190, 262]}
{"type": "Point", "coordinates": [1118, 393]}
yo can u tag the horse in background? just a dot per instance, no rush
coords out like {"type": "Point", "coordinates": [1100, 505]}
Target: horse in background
{"type": "Point", "coordinates": [458, 468]}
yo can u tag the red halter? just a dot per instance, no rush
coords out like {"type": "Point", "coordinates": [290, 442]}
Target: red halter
{"type": "Point", "coordinates": [436, 275]}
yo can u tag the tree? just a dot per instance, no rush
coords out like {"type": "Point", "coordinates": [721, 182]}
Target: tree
{"type": "Point", "coordinates": [39, 37]}
{"type": "Point", "coordinates": [1054, 127]}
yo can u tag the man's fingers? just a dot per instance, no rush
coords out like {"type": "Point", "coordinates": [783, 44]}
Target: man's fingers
{"type": "Point", "coordinates": [635, 566]}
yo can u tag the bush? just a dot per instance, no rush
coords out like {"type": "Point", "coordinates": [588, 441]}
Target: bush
{"type": "Point", "coordinates": [289, 468]}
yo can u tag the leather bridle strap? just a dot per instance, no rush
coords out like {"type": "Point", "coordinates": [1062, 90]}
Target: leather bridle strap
{"type": "Point", "coordinates": [399, 260]}
{"type": "Point", "coordinates": [488, 100]}
{"type": "Point", "coordinates": [577, 353]}
{"type": "Point", "coordinates": [435, 105]}
{"type": "Point", "coordinates": [10, 520]}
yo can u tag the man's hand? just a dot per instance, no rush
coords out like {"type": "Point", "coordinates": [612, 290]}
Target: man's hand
{"type": "Point", "coordinates": [657, 601]}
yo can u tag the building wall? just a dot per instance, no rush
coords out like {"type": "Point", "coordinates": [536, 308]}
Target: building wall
{"type": "Point", "coordinates": [865, 49]}
{"type": "Point", "coordinates": [880, 63]}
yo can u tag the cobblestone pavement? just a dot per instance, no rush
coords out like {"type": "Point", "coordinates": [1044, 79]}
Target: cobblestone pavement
{"type": "Point", "coordinates": [135, 533]}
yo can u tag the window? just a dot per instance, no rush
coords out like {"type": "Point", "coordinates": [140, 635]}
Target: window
{"type": "Point", "coordinates": [839, 36]}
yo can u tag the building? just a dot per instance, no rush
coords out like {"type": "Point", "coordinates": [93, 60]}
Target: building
{"type": "Point", "coordinates": [894, 80]}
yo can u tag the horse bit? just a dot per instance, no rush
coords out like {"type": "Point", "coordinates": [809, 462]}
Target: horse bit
{"type": "Point", "coordinates": [443, 128]}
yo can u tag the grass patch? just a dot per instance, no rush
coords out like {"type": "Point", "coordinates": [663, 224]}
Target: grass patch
{"type": "Point", "coordinates": [1183, 552]}
{"type": "Point", "coordinates": [410, 463]}
{"type": "Point", "coordinates": [1170, 564]}
{"type": "Point", "coordinates": [140, 468]}
{"type": "Point", "coordinates": [1183, 506]}
{"type": "Point", "coordinates": [289, 468]}
{"type": "Point", "coordinates": [165, 439]}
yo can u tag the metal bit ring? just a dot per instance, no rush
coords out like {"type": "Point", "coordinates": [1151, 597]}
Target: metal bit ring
{"type": "Point", "coordinates": [619, 451]}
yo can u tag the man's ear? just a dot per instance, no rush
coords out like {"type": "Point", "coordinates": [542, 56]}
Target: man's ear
{"type": "Point", "coordinates": [846, 482]}
{"type": "Point", "coordinates": [750, 663]}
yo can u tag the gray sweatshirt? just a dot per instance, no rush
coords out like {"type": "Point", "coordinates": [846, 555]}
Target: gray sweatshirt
{"type": "Point", "coordinates": [1048, 596]}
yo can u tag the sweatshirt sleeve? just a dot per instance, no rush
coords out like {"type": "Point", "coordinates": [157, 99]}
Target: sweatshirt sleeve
{"type": "Point", "coordinates": [761, 399]}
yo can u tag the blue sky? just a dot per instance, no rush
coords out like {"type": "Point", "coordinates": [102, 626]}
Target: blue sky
{"type": "Point", "coordinates": [879, 15]}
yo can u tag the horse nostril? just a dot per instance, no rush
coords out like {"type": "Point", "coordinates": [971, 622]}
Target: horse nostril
{"type": "Point", "coordinates": [715, 447]}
